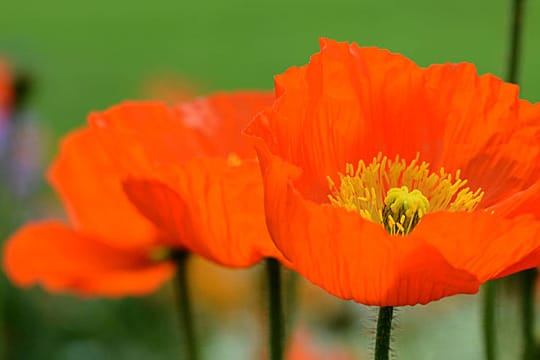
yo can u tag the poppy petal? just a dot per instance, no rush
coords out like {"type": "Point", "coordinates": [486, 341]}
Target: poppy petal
{"type": "Point", "coordinates": [480, 243]}
{"type": "Point", "coordinates": [332, 112]}
{"type": "Point", "coordinates": [62, 259]}
{"type": "Point", "coordinates": [350, 257]}
{"type": "Point", "coordinates": [216, 209]}
{"type": "Point", "coordinates": [488, 130]}
{"type": "Point", "coordinates": [523, 202]}
{"type": "Point", "coordinates": [89, 184]}
{"type": "Point", "coordinates": [351, 103]}
{"type": "Point", "coordinates": [163, 206]}
{"type": "Point", "coordinates": [139, 135]}
{"type": "Point", "coordinates": [222, 116]}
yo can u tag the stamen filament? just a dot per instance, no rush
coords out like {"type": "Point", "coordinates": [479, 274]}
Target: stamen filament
{"type": "Point", "coordinates": [367, 188]}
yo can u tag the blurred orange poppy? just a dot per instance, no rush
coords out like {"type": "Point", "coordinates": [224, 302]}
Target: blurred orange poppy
{"type": "Point", "coordinates": [6, 88]}
{"type": "Point", "coordinates": [392, 184]}
{"type": "Point", "coordinates": [111, 248]}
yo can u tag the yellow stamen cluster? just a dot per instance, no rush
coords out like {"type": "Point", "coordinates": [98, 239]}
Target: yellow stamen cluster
{"type": "Point", "coordinates": [380, 192]}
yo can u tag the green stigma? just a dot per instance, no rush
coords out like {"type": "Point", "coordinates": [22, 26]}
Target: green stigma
{"type": "Point", "coordinates": [160, 253]}
{"type": "Point", "coordinates": [403, 210]}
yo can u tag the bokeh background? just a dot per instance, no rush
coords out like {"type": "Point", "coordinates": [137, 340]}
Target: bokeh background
{"type": "Point", "coordinates": [84, 56]}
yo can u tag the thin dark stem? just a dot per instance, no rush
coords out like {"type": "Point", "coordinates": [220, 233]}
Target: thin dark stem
{"type": "Point", "coordinates": [528, 278]}
{"type": "Point", "coordinates": [384, 328]}
{"type": "Point", "coordinates": [490, 289]}
{"type": "Point", "coordinates": [291, 285]}
{"type": "Point", "coordinates": [515, 41]}
{"type": "Point", "coordinates": [184, 308]}
{"type": "Point", "coordinates": [275, 310]}
{"type": "Point", "coordinates": [23, 88]}
{"type": "Point", "coordinates": [488, 319]}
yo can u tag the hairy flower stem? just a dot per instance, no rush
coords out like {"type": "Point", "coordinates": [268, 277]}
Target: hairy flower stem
{"type": "Point", "coordinates": [528, 278]}
{"type": "Point", "coordinates": [275, 310]}
{"type": "Point", "coordinates": [184, 307]}
{"type": "Point", "coordinates": [488, 319]}
{"type": "Point", "coordinates": [384, 328]}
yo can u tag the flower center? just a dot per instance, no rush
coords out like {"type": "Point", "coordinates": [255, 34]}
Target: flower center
{"type": "Point", "coordinates": [403, 210]}
{"type": "Point", "coordinates": [160, 253]}
{"type": "Point", "coordinates": [397, 195]}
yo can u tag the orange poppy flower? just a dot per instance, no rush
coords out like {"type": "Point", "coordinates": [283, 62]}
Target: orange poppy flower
{"type": "Point", "coordinates": [110, 248]}
{"type": "Point", "coordinates": [392, 184]}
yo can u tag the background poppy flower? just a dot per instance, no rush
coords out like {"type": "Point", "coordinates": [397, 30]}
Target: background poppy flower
{"type": "Point", "coordinates": [111, 248]}
{"type": "Point", "coordinates": [466, 142]}
{"type": "Point", "coordinates": [106, 249]}
{"type": "Point", "coordinates": [211, 203]}
{"type": "Point", "coordinates": [6, 89]}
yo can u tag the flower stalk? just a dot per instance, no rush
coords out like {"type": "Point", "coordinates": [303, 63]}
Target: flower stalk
{"type": "Point", "coordinates": [488, 319]}
{"type": "Point", "coordinates": [490, 288]}
{"type": "Point", "coordinates": [184, 307]}
{"type": "Point", "coordinates": [275, 310]}
{"type": "Point", "coordinates": [384, 328]}
{"type": "Point", "coordinates": [515, 41]}
{"type": "Point", "coordinates": [528, 279]}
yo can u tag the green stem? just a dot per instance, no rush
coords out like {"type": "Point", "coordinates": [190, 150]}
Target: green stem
{"type": "Point", "coordinates": [184, 307]}
{"type": "Point", "coordinates": [488, 319]}
{"type": "Point", "coordinates": [275, 310]}
{"type": "Point", "coordinates": [515, 41]}
{"type": "Point", "coordinates": [528, 278]}
{"type": "Point", "coordinates": [291, 285]}
{"type": "Point", "coordinates": [384, 328]}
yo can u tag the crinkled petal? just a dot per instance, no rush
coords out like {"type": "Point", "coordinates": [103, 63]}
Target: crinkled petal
{"type": "Point", "coordinates": [481, 243]}
{"type": "Point", "coordinates": [350, 103]}
{"type": "Point", "coordinates": [205, 204]}
{"type": "Point", "coordinates": [347, 104]}
{"type": "Point", "coordinates": [523, 202]}
{"type": "Point", "coordinates": [61, 259]}
{"type": "Point", "coordinates": [447, 253]}
{"type": "Point", "coordinates": [350, 257]}
{"type": "Point", "coordinates": [140, 135]}
{"type": "Point", "coordinates": [490, 135]}
{"type": "Point", "coordinates": [222, 116]}
{"type": "Point", "coordinates": [214, 208]}
{"type": "Point", "coordinates": [89, 184]}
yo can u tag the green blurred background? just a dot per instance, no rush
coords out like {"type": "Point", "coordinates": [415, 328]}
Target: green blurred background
{"type": "Point", "coordinates": [86, 56]}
